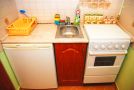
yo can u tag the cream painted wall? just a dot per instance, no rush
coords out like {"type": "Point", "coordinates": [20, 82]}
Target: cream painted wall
{"type": "Point", "coordinates": [127, 16]}
{"type": "Point", "coordinates": [7, 10]}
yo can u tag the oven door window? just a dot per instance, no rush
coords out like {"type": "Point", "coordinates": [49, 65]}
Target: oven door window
{"type": "Point", "coordinates": [105, 61]}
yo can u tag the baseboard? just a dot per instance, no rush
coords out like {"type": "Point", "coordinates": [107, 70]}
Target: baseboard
{"type": "Point", "coordinates": [116, 86]}
{"type": "Point", "coordinates": [18, 88]}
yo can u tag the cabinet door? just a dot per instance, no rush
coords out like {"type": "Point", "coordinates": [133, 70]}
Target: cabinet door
{"type": "Point", "coordinates": [70, 61]}
{"type": "Point", "coordinates": [5, 83]}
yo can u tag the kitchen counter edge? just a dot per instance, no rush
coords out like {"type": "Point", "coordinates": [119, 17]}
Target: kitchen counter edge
{"type": "Point", "coordinates": [44, 33]}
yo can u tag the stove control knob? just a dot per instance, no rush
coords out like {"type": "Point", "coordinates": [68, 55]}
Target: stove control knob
{"type": "Point", "coordinates": [103, 46]}
{"type": "Point", "coordinates": [116, 46]}
{"type": "Point", "coordinates": [110, 47]}
{"type": "Point", "coordinates": [96, 47]}
{"type": "Point", "coordinates": [122, 46]}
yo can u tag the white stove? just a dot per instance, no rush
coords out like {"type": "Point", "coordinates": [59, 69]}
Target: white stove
{"type": "Point", "coordinates": [107, 38]}
{"type": "Point", "coordinates": [108, 45]}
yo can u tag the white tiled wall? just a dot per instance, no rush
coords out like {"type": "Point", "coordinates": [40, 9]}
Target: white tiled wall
{"type": "Point", "coordinates": [45, 10]}
{"type": "Point", "coordinates": [7, 10]}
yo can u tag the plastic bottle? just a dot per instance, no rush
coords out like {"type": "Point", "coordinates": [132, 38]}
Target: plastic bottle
{"type": "Point", "coordinates": [77, 17]}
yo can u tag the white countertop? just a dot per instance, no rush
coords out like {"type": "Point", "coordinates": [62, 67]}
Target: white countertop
{"type": "Point", "coordinates": [44, 33]}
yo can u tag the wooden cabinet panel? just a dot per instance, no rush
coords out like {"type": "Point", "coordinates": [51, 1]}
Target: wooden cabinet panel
{"type": "Point", "coordinates": [5, 83]}
{"type": "Point", "coordinates": [70, 61]}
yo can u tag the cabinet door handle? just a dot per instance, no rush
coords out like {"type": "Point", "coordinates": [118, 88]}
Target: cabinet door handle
{"type": "Point", "coordinates": [70, 49]}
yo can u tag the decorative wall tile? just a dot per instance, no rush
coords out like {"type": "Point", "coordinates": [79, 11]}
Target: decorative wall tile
{"type": "Point", "coordinates": [113, 10]}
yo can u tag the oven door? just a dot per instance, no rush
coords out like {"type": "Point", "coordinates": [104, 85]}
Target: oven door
{"type": "Point", "coordinates": [103, 64]}
{"type": "Point", "coordinates": [105, 60]}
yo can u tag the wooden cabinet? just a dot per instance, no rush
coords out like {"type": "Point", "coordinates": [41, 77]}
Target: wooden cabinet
{"type": "Point", "coordinates": [70, 62]}
{"type": "Point", "coordinates": [5, 83]}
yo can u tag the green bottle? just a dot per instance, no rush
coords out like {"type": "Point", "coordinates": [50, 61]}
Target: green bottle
{"type": "Point", "coordinates": [77, 17]}
{"type": "Point", "coordinates": [77, 20]}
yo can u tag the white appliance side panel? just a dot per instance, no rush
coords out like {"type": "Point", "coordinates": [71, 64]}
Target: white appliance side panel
{"type": "Point", "coordinates": [33, 67]}
{"type": "Point", "coordinates": [99, 79]}
{"type": "Point", "coordinates": [105, 70]}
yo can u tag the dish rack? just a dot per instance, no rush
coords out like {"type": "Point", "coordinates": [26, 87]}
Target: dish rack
{"type": "Point", "coordinates": [22, 26]}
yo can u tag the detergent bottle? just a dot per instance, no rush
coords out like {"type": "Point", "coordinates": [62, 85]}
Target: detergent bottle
{"type": "Point", "coordinates": [77, 17]}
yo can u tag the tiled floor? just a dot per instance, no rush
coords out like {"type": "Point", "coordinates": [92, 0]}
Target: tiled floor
{"type": "Point", "coordinates": [86, 87]}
